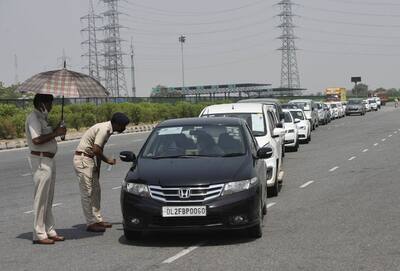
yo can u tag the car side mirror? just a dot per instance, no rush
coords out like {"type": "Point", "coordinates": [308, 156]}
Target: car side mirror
{"type": "Point", "coordinates": [277, 132]}
{"type": "Point", "coordinates": [127, 156]}
{"type": "Point", "coordinates": [279, 125]}
{"type": "Point", "coordinates": [296, 120]}
{"type": "Point", "coordinates": [264, 153]}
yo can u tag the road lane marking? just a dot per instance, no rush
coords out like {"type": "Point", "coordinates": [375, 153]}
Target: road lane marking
{"type": "Point", "coordinates": [183, 253]}
{"type": "Point", "coordinates": [306, 184]}
{"type": "Point", "coordinates": [365, 150]}
{"type": "Point", "coordinates": [395, 132]}
{"type": "Point", "coordinates": [390, 135]}
{"type": "Point", "coordinates": [31, 211]}
{"type": "Point", "coordinates": [376, 144]}
{"type": "Point", "coordinates": [333, 169]}
{"type": "Point", "coordinates": [383, 139]}
{"type": "Point", "coordinates": [117, 187]}
{"type": "Point", "coordinates": [352, 158]}
{"type": "Point", "coordinates": [110, 145]}
{"type": "Point", "coordinates": [26, 174]}
{"type": "Point", "coordinates": [269, 205]}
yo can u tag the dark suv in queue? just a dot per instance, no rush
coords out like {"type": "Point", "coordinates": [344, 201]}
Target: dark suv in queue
{"type": "Point", "coordinates": [196, 174]}
{"type": "Point", "coordinates": [355, 106]}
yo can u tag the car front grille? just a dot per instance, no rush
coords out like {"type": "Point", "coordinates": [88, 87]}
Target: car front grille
{"type": "Point", "coordinates": [187, 221]}
{"type": "Point", "coordinates": [196, 193]}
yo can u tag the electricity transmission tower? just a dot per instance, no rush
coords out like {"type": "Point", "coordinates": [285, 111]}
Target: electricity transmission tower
{"type": "Point", "coordinates": [133, 94]}
{"type": "Point", "coordinates": [290, 78]}
{"type": "Point", "coordinates": [114, 67]}
{"type": "Point", "coordinates": [92, 50]}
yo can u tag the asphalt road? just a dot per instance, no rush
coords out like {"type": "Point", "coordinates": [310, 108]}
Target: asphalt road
{"type": "Point", "coordinates": [339, 209]}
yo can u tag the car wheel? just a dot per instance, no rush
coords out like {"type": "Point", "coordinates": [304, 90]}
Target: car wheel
{"type": "Point", "coordinates": [296, 147]}
{"type": "Point", "coordinates": [256, 230]}
{"type": "Point", "coordinates": [132, 235]}
{"type": "Point", "coordinates": [274, 190]}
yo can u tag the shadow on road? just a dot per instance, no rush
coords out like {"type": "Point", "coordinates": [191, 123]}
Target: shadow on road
{"type": "Point", "coordinates": [186, 239]}
{"type": "Point", "coordinates": [74, 233]}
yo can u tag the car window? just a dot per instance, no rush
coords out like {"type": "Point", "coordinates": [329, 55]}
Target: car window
{"type": "Point", "coordinates": [297, 115]}
{"type": "Point", "coordinates": [271, 121]}
{"type": "Point", "coordinates": [253, 142]}
{"type": "Point", "coordinates": [255, 121]}
{"type": "Point", "coordinates": [207, 140]}
{"type": "Point", "coordinates": [287, 117]}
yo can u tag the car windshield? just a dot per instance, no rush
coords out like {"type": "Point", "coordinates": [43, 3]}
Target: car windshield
{"type": "Point", "coordinates": [319, 106]}
{"type": "Point", "coordinates": [287, 117]}
{"type": "Point", "coordinates": [371, 101]}
{"type": "Point", "coordinates": [333, 105]}
{"type": "Point", "coordinates": [354, 102]}
{"type": "Point", "coordinates": [255, 121]}
{"type": "Point", "coordinates": [302, 105]}
{"type": "Point", "coordinates": [192, 141]}
{"type": "Point", "coordinates": [297, 115]}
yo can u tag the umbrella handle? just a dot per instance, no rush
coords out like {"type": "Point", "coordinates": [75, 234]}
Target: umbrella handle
{"type": "Point", "coordinates": [62, 116]}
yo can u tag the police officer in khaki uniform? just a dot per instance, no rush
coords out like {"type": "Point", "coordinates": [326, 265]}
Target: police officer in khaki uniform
{"type": "Point", "coordinates": [43, 147]}
{"type": "Point", "coordinates": [87, 161]}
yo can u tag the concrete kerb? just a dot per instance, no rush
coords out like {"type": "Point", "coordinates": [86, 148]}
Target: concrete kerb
{"type": "Point", "coordinates": [20, 143]}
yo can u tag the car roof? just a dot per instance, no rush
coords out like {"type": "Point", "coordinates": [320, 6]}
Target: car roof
{"type": "Point", "coordinates": [202, 121]}
{"type": "Point", "coordinates": [301, 100]}
{"type": "Point", "coordinates": [234, 108]}
{"type": "Point", "coordinates": [261, 100]}
{"type": "Point", "coordinates": [294, 109]}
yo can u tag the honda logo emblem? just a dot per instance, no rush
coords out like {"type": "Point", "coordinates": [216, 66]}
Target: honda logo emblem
{"type": "Point", "coordinates": [184, 193]}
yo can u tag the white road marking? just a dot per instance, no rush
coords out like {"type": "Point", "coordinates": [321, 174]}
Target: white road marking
{"type": "Point", "coordinates": [395, 132]}
{"type": "Point", "coordinates": [390, 135]}
{"type": "Point", "coordinates": [54, 205]}
{"type": "Point", "coordinates": [137, 140]}
{"type": "Point", "coordinates": [352, 158]}
{"type": "Point", "coordinates": [333, 169]}
{"type": "Point", "coordinates": [117, 187]}
{"type": "Point", "coordinates": [110, 145]}
{"type": "Point", "coordinates": [365, 150]}
{"type": "Point", "coordinates": [306, 184]}
{"type": "Point", "coordinates": [383, 139]}
{"type": "Point", "coordinates": [269, 205]}
{"type": "Point", "coordinates": [376, 144]}
{"type": "Point", "coordinates": [26, 174]}
{"type": "Point", "coordinates": [183, 253]}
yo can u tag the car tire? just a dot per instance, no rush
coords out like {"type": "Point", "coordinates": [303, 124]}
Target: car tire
{"type": "Point", "coordinates": [296, 147]}
{"type": "Point", "coordinates": [132, 235]}
{"type": "Point", "coordinates": [256, 230]}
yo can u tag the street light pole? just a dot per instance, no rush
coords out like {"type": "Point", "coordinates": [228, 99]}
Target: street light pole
{"type": "Point", "coordinates": [182, 40]}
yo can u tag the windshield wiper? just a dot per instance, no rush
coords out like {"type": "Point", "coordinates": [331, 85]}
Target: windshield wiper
{"type": "Point", "coordinates": [172, 156]}
{"type": "Point", "coordinates": [233, 154]}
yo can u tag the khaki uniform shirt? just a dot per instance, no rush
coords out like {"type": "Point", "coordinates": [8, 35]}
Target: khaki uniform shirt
{"type": "Point", "coordinates": [36, 125]}
{"type": "Point", "coordinates": [97, 134]}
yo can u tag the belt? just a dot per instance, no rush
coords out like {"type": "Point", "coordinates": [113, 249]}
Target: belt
{"type": "Point", "coordinates": [44, 154]}
{"type": "Point", "coordinates": [84, 154]}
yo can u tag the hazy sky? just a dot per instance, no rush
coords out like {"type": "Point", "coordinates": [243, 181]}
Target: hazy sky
{"type": "Point", "coordinates": [228, 41]}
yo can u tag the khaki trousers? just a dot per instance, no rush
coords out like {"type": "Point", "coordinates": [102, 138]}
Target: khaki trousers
{"type": "Point", "coordinates": [88, 178]}
{"type": "Point", "coordinates": [44, 176]}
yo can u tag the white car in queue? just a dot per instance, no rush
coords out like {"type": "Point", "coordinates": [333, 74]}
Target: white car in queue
{"type": "Point", "coordinates": [260, 120]}
{"type": "Point", "coordinates": [303, 125]}
{"type": "Point", "coordinates": [291, 131]}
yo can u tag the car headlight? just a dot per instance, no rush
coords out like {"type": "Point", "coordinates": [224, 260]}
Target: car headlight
{"type": "Point", "coordinates": [302, 127]}
{"type": "Point", "coordinates": [137, 189]}
{"type": "Point", "coordinates": [290, 131]}
{"type": "Point", "coordinates": [239, 186]}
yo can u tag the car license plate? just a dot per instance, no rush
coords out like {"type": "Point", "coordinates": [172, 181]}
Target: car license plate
{"type": "Point", "coordinates": [182, 211]}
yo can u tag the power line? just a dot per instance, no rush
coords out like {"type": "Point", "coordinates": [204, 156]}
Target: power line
{"type": "Point", "coordinates": [349, 53]}
{"type": "Point", "coordinates": [191, 13]}
{"type": "Point", "coordinates": [350, 12]}
{"type": "Point", "coordinates": [351, 43]}
{"type": "Point", "coordinates": [348, 34]}
{"type": "Point", "coordinates": [379, 3]}
{"type": "Point", "coordinates": [349, 23]}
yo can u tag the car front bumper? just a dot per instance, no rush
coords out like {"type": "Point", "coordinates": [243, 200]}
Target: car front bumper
{"type": "Point", "coordinates": [220, 213]}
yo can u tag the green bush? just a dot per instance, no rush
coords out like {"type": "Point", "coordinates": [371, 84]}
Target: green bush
{"type": "Point", "coordinates": [8, 110]}
{"type": "Point", "coordinates": [12, 118]}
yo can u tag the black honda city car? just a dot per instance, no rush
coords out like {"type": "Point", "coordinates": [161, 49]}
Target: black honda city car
{"type": "Point", "coordinates": [196, 174]}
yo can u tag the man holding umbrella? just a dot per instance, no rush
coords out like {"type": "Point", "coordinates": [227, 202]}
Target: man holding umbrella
{"type": "Point", "coordinates": [43, 147]}
{"type": "Point", "coordinates": [87, 161]}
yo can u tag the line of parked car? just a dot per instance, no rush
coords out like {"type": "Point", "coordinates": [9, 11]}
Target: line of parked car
{"type": "Point", "coordinates": [216, 171]}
